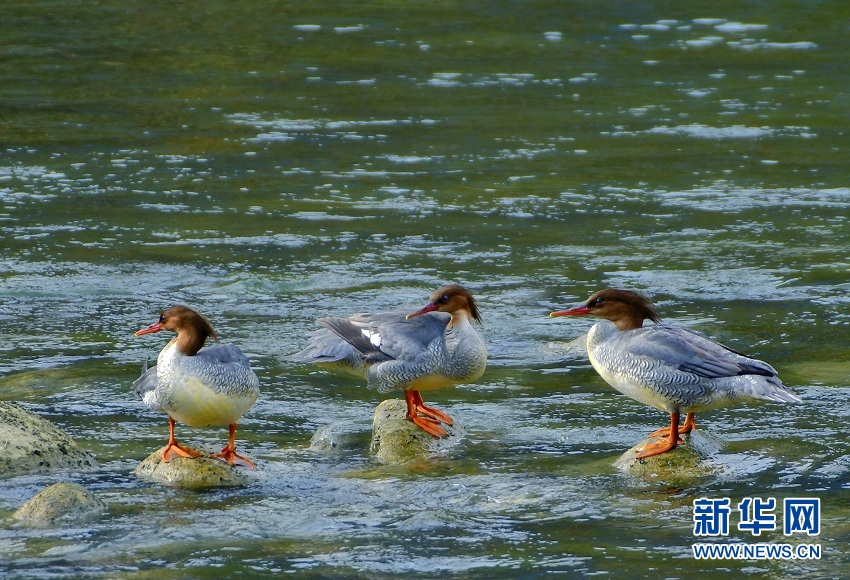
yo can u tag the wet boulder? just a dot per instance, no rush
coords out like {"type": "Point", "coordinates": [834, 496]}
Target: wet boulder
{"type": "Point", "coordinates": [32, 444]}
{"type": "Point", "coordinates": [396, 439]}
{"type": "Point", "coordinates": [198, 473]}
{"type": "Point", "coordinates": [61, 502]}
{"type": "Point", "coordinates": [693, 457]}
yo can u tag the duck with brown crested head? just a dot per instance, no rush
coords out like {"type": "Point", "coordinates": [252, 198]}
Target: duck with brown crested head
{"type": "Point", "coordinates": [670, 368]}
{"type": "Point", "coordinates": [197, 386]}
{"type": "Point", "coordinates": [434, 347]}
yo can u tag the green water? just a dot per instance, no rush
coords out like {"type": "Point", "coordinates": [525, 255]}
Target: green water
{"type": "Point", "coordinates": [270, 163]}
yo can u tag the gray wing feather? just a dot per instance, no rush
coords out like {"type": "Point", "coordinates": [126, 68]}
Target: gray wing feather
{"type": "Point", "coordinates": [145, 387]}
{"type": "Point", "coordinates": [403, 338]}
{"type": "Point", "coordinates": [354, 337]}
{"type": "Point", "coordinates": [388, 348]}
{"type": "Point", "coordinates": [693, 352]}
{"type": "Point", "coordinates": [690, 367]}
{"type": "Point", "coordinates": [327, 347]}
{"type": "Point", "coordinates": [223, 354]}
{"type": "Point", "coordinates": [374, 338]}
{"type": "Point", "coordinates": [223, 365]}
{"type": "Point", "coordinates": [146, 382]}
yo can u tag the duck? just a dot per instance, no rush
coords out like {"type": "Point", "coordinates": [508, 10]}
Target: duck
{"type": "Point", "coordinates": [431, 348]}
{"type": "Point", "coordinates": [674, 369]}
{"type": "Point", "coordinates": [196, 385]}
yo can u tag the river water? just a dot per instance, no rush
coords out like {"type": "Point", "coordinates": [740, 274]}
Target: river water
{"type": "Point", "coordinates": [271, 163]}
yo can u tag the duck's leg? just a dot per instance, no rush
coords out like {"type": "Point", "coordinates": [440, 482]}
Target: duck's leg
{"type": "Point", "coordinates": [663, 445]}
{"type": "Point", "coordinates": [174, 449]}
{"type": "Point", "coordinates": [229, 454]}
{"type": "Point", "coordinates": [688, 426]}
{"type": "Point", "coordinates": [429, 423]}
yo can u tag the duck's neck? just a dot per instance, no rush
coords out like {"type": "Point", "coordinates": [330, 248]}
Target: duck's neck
{"type": "Point", "coordinates": [628, 323]}
{"type": "Point", "coordinates": [190, 341]}
{"type": "Point", "coordinates": [459, 317]}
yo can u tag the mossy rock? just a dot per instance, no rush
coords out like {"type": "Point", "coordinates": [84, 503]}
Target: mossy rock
{"type": "Point", "coordinates": [32, 444]}
{"type": "Point", "coordinates": [60, 502]}
{"type": "Point", "coordinates": [198, 473]}
{"type": "Point", "coordinates": [693, 458]}
{"type": "Point", "coordinates": [396, 439]}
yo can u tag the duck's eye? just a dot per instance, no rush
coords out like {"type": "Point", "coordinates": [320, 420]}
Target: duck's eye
{"type": "Point", "coordinates": [443, 299]}
{"type": "Point", "coordinates": [598, 302]}
{"type": "Point", "coordinates": [161, 318]}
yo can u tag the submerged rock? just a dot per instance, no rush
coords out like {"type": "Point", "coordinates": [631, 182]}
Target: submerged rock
{"type": "Point", "coordinates": [691, 458]}
{"type": "Point", "coordinates": [395, 439]}
{"type": "Point", "coordinates": [32, 444]}
{"type": "Point", "coordinates": [60, 502]}
{"type": "Point", "coordinates": [198, 473]}
{"type": "Point", "coordinates": [336, 437]}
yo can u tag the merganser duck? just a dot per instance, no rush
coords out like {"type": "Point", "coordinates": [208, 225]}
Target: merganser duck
{"type": "Point", "coordinates": [434, 347]}
{"type": "Point", "coordinates": [670, 368]}
{"type": "Point", "coordinates": [199, 388]}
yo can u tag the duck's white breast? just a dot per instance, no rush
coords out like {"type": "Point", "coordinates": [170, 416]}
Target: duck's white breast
{"type": "Point", "coordinates": [195, 404]}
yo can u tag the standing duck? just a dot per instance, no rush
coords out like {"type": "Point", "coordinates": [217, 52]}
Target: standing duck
{"type": "Point", "coordinates": [198, 387]}
{"type": "Point", "coordinates": [672, 369]}
{"type": "Point", "coordinates": [434, 347]}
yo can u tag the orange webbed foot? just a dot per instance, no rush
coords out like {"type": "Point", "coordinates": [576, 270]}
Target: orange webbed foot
{"type": "Point", "coordinates": [435, 414]}
{"type": "Point", "coordinates": [657, 448]}
{"type": "Point", "coordinates": [668, 442]}
{"type": "Point", "coordinates": [230, 456]}
{"type": "Point", "coordinates": [430, 426]}
{"type": "Point", "coordinates": [174, 449]}
{"type": "Point", "coordinates": [664, 431]}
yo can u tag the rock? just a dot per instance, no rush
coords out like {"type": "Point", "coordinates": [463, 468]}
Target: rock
{"type": "Point", "coordinates": [395, 439]}
{"type": "Point", "coordinates": [690, 459]}
{"type": "Point", "coordinates": [198, 473]}
{"type": "Point", "coordinates": [336, 437]}
{"type": "Point", "coordinates": [32, 444]}
{"type": "Point", "coordinates": [60, 502]}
